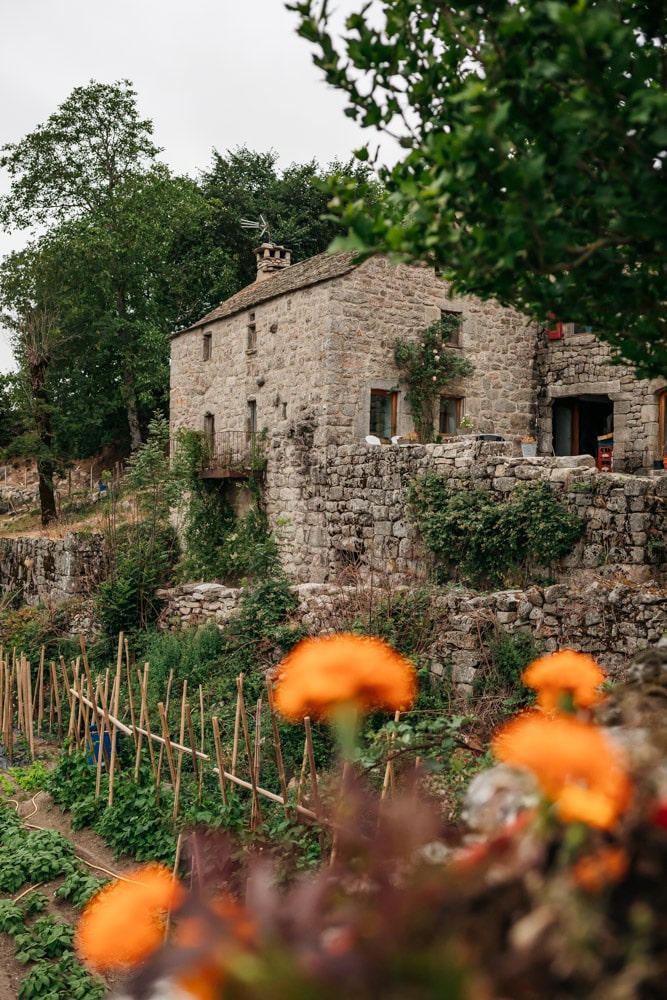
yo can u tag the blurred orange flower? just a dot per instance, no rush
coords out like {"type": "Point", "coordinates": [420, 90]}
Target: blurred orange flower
{"type": "Point", "coordinates": [565, 673]}
{"type": "Point", "coordinates": [124, 922]}
{"type": "Point", "coordinates": [204, 979]}
{"type": "Point", "coordinates": [320, 674]}
{"type": "Point", "coordinates": [593, 872]}
{"type": "Point", "coordinates": [576, 766]}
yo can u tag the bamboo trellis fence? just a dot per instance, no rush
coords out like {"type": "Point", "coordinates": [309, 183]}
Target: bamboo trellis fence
{"type": "Point", "coordinates": [86, 710]}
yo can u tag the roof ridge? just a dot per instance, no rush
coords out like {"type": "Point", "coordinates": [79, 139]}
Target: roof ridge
{"type": "Point", "coordinates": [321, 267]}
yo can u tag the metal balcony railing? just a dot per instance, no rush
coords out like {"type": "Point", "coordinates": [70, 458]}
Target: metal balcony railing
{"type": "Point", "coordinates": [234, 453]}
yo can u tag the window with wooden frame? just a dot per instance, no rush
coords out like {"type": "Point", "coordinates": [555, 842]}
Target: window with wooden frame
{"type": "Point", "coordinates": [207, 347]}
{"type": "Point", "coordinates": [251, 343]}
{"type": "Point", "coordinates": [454, 338]}
{"type": "Point", "coordinates": [209, 424]}
{"type": "Point", "coordinates": [662, 423]}
{"type": "Point", "coordinates": [449, 414]}
{"type": "Point", "coordinates": [384, 408]}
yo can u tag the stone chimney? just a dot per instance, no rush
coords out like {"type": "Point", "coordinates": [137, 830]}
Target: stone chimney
{"type": "Point", "coordinates": [271, 258]}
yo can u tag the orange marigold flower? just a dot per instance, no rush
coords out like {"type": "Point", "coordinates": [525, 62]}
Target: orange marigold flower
{"type": "Point", "coordinates": [575, 765]}
{"type": "Point", "coordinates": [320, 674]}
{"type": "Point", "coordinates": [593, 872]}
{"type": "Point", "coordinates": [124, 922]}
{"type": "Point", "coordinates": [565, 673]}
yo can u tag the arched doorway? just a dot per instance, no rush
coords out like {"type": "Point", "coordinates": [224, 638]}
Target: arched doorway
{"type": "Point", "coordinates": [578, 422]}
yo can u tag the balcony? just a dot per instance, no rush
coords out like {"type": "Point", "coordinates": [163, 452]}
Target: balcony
{"type": "Point", "coordinates": [234, 455]}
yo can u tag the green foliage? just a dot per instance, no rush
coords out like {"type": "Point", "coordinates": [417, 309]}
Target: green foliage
{"type": "Point", "coordinates": [500, 677]}
{"type": "Point", "coordinates": [492, 542]}
{"type": "Point", "coordinates": [218, 543]}
{"type": "Point", "coordinates": [427, 367]}
{"type": "Point", "coordinates": [533, 139]}
{"type": "Point", "coordinates": [30, 778]}
{"type": "Point", "coordinates": [79, 886]}
{"type": "Point", "coordinates": [406, 619]}
{"type": "Point", "coordinates": [46, 938]}
{"type": "Point", "coordinates": [31, 856]}
{"type": "Point", "coordinates": [65, 979]}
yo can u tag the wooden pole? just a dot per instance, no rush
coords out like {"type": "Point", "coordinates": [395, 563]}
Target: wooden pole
{"type": "Point", "coordinates": [276, 741]}
{"type": "Point", "coordinates": [237, 723]}
{"type": "Point", "coordinates": [256, 814]}
{"type": "Point", "coordinates": [56, 692]}
{"type": "Point", "coordinates": [179, 766]}
{"type": "Point", "coordinates": [130, 694]}
{"type": "Point", "coordinates": [218, 757]}
{"type": "Point", "coordinates": [166, 709]}
{"type": "Point", "coordinates": [201, 719]}
{"type": "Point", "coordinates": [27, 701]}
{"type": "Point", "coordinates": [311, 762]}
{"type": "Point", "coordinates": [167, 743]}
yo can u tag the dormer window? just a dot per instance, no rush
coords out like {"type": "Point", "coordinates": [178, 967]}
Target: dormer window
{"type": "Point", "coordinates": [207, 347]}
{"type": "Point", "coordinates": [251, 344]}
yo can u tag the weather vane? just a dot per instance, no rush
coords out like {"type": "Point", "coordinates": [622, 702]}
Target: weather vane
{"type": "Point", "coordinates": [262, 226]}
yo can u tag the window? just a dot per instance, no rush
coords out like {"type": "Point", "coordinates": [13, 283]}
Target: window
{"type": "Point", "coordinates": [206, 347]}
{"type": "Point", "coordinates": [209, 424]}
{"type": "Point", "coordinates": [454, 335]}
{"type": "Point", "coordinates": [252, 333]}
{"type": "Point", "coordinates": [449, 417]}
{"type": "Point", "coordinates": [251, 417]}
{"type": "Point", "coordinates": [581, 328]}
{"type": "Point", "coordinates": [384, 404]}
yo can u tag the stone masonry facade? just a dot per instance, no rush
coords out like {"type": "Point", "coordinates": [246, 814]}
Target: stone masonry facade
{"type": "Point", "coordinates": [579, 366]}
{"type": "Point", "coordinates": [322, 335]}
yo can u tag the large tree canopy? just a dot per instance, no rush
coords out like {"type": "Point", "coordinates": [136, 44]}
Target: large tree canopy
{"type": "Point", "coordinates": [536, 146]}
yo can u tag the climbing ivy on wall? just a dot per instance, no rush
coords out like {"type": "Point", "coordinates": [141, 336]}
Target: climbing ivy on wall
{"type": "Point", "coordinates": [487, 541]}
{"type": "Point", "coordinates": [218, 543]}
{"type": "Point", "coordinates": [426, 367]}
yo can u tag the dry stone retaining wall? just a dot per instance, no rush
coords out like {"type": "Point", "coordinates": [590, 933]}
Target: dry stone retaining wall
{"type": "Point", "coordinates": [343, 509]}
{"type": "Point", "coordinates": [609, 620]}
{"type": "Point", "coordinates": [50, 570]}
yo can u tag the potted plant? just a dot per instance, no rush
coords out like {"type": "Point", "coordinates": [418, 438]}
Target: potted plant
{"type": "Point", "coordinates": [465, 425]}
{"type": "Point", "coordinates": [528, 447]}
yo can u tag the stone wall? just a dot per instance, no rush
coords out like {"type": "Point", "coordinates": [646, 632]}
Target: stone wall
{"type": "Point", "coordinates": [581, 365]}
{"type": "Point", "coordinates": [609, 620]}
{"type": "Point", "coordinates": [48, 570]}
{"type": "Point", "coordinates": [343, 509]}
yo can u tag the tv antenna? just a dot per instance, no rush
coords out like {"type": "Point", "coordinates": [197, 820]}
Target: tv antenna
{"type": "Point", "coordinates": [262, 226]}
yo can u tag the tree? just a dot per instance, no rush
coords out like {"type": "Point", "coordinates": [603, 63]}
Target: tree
{"type": "Point", "coordinates": [294, 201]}
{"type": "Point", "coordinates": [91, 172]}
{"type": "Point", "coordinates": [535, 138]}
{"type": "Point", "coordinates": [29, 311]}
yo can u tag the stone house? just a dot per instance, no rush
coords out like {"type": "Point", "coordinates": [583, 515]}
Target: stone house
{"type": "Point", "coordinates": [314, 342]}
{"type": "Point", "coordinates": [311, 345]}
{"type": "Point", "coordinates": [582, 394]}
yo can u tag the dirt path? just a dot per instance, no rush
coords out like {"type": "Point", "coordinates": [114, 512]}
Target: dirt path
{"type": "Point", "coordinates": [40, 812]}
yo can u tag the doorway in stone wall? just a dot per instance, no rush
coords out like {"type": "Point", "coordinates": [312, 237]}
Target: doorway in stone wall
{"type": "Point", "coordinates": [578, 422]}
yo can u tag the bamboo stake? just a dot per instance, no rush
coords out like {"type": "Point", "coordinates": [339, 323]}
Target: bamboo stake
{"type": "Point", "coordinates": [9, 716]}
{"type": "Point", "coordinates": [144, 699]}
{"type": "Point", "coordinates": [389, 769]}
{"type": "Point", "coordinates": [218, 757]}
{"type": "Point", "coordinates": [276, 741]}
{"type": "Point", "coordinates": [166, 709]}
{"type": "Point", "coordinates": [130, 695]}
{"type": "Point", "coordinates": [311, 761]}
{"type": "Point", "coordinates": [179, 766]}
{"type": "Point", "coordinates": [258, 734]}
{"type": "Point", "coordinates": [201, 718]}
{"type": "Point", "coordinates": [167, 743]}
{"type": "Point", "coordinates": [39, 692]}
{"type": "Point", "coordinates": [56, 692]}
{"type": "Point", "coordinates": [114, 708]}
{"type": "Point", "coordinates": [237, 723]}
{"type": "Point", "coordinates": [191, 734]}
{"type": "Point", "coordinates": [100, 746]}
{"type": "Point", "coordinates": [265, 793]}
{"type": "Point", "coordinates": [63, 670]}
{"type": "Point", "coordinates": [28, 707]}
{"type": "Point", "coordinates": [16, 667]}
{"type": "Point", "coordinates": [302, 773]}
{"type": "Point", "coordinates": [246, 736]}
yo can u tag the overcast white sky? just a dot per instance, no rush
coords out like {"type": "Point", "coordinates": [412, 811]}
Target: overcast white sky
{"type": "Point", "coordinates": [208, 73]}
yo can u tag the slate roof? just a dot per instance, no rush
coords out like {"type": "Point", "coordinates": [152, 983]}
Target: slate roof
{"type": "Point", "coordinates": [323, 267]}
